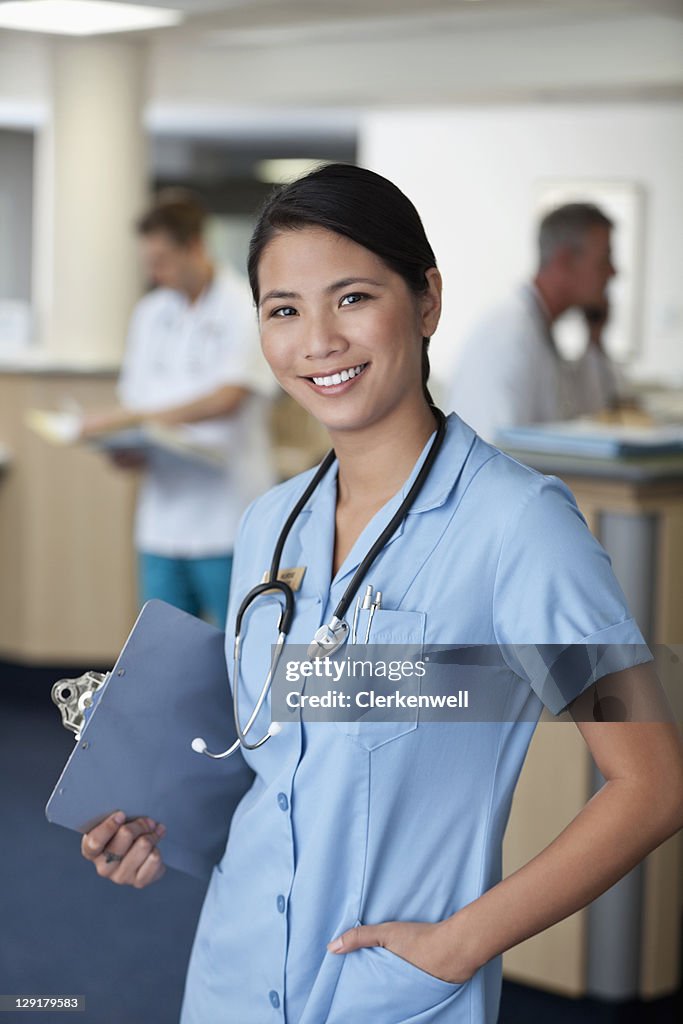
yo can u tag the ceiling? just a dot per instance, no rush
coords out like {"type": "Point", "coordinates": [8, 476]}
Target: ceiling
{"type": "Point", "coordinates": [296, 68]}
{"type": "Point", "coordinates": [241, 22]}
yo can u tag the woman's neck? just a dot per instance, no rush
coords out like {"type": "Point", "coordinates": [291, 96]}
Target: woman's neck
{"type": "Point", "coordinates": [375, 463]}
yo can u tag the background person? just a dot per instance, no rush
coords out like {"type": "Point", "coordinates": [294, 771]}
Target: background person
{"type": "Point", "coordinates": [192, 361]}
{"type": "Point", "coordinates": [362, 877]}
{"type": "Point", "coordinates": [510, 372]}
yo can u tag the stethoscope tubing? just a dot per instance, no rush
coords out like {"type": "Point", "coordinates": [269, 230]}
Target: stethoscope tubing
{"type": "Point", "coordinates": [287, 611]}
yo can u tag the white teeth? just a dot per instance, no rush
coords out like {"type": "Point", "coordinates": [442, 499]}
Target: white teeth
{"type": "Point", "coordinates": [338, 378]}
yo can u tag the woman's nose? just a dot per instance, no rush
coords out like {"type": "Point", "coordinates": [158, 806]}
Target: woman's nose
{"type": "Point", "coordinates": [323, 339]}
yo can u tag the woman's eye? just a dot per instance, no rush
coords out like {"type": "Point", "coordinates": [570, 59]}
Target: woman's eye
{"type": "Point", "coordinates": [284, 311]}
{"type": "Point", "coordinates": [352, 299]}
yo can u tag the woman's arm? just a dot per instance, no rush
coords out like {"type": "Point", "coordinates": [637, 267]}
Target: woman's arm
{"type": "Point", "coordinates": [639, 807]}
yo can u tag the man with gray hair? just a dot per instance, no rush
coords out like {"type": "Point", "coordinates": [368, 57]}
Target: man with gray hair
{"type": "Point", "coordinates": [510, 372]}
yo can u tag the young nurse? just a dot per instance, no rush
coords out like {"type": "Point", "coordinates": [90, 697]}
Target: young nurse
{"type": "Point", "coordinates": [362, 877]}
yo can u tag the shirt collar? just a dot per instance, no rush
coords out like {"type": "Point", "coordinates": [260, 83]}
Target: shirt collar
{"type": "Point", "coordinates": [438, 485]}
{"type": "Point", "coordinates": [318, 526]}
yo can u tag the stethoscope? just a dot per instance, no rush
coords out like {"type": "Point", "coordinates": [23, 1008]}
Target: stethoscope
{"type": "Point", "coordinates": [331, 635]}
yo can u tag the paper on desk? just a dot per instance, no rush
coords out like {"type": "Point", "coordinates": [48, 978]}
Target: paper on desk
{"type": "Point", "coordinates": [591, 438]}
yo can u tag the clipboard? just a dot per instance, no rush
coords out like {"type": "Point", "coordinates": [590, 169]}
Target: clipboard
{"type": "Point", "coordinates": [169, 684]}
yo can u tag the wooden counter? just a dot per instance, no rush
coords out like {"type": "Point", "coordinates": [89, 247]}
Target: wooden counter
{"type": "Point", "coordinates": [67, 588]}
{"type": "Point", "coordinates": [635, 508]}
{"type": "Point", "coordinates": [67, 567]}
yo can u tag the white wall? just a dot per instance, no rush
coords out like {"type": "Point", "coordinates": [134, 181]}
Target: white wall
{"type": "Point", "coordinates": [24, 79]}
{"type": "Point", "coordinates": [472, 172]}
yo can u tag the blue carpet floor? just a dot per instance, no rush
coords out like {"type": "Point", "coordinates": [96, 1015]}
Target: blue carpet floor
{"type": "Point", "coordinates": [65, 931]}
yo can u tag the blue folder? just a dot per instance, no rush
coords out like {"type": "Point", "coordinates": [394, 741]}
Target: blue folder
{"type": "Point", "coordinates": [169, 685]}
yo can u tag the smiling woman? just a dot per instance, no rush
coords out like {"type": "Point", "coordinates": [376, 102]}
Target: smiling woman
{"type": "Point", "coordinates": [353, 835]}
{"type": "Point", "coordinates": [337, 321]}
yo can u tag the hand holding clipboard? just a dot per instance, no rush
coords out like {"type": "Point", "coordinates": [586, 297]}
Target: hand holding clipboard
{"type": "Point", "coordinates": [169, 684]}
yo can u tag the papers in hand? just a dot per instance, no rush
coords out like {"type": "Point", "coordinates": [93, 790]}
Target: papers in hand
{"type": "Point", "coordinates": [55, 427]}
{"type": "Point", "coordinates": [153, 439]}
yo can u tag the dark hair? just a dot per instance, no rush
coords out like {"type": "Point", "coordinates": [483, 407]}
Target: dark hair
{"type": "Point", "coordinates": [178, 213]}
{"type": "Point", "coordinates": [567, 226]}
{"type": "Point", "coordinates": [364, 207]}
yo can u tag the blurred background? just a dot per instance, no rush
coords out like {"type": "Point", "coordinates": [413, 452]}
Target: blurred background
{"type": "Point", "coordinates": [484, 112]}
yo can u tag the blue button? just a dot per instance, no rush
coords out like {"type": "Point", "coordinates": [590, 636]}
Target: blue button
{"type": "Point", "coordinates": [281, 903]}
{"type": "Point", "coordinates": [282, 801]}
{"type": "Point", "coordinates": [274, 999]}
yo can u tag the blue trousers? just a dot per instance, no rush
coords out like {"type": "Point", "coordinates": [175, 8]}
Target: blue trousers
{"type": "Point", "coordinates": [199, 586]}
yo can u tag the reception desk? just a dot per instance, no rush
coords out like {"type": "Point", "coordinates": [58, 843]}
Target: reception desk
{"type": "Point", "coordinates": [67, 568]}
{"type": "Point", "coordinates": [67, 586]}
{"type": "Point", "coordinates": [627, 944]}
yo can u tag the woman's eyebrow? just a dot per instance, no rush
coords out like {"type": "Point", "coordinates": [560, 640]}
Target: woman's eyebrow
{"type": "Point", "coordinates": [277, 294]}
{"type": "Point", "coordinates": [346, 281]}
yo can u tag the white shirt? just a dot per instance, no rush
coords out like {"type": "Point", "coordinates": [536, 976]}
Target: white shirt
{"type": "Point", "coordinates": [511, 374]}
{"type": "Point", "coordinates": [179, 351]}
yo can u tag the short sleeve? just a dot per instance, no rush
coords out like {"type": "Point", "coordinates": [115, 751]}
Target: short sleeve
{"type": "Point", "coordinates": [131, 384]}
{"type": "Point", "coordinates": [559, 614]}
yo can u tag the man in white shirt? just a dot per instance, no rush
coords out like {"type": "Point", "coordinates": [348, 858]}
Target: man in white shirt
{"type": "Point", "coordinates": [193, 362]}
{"type": "Point", "coordinates": [510, 372]}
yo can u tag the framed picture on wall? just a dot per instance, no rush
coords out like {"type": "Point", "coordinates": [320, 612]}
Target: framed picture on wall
{"type": "Point", "coordinates": [624, 203]}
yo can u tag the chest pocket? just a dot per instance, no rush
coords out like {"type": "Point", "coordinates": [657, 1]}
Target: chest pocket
{"type": "Point", "coordinates": [395, 644]}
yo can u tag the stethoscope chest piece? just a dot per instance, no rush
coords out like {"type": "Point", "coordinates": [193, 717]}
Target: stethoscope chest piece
{"type": "Point", "coordinates": [328, 638]}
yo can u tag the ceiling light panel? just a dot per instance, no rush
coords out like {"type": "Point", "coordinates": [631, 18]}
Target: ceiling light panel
{"type": "Point", "coordinates": [83, 17]}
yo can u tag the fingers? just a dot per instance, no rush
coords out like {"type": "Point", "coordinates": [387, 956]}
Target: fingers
{"type": "Point", "coordinates": [94, 842]}
{"type": "Point", "coordinates": [357, 938]}
{"type": "Point", "coordinates": [125, 852]}
{"type": "Point", "coordinates": [151, 870]}
{"type": "Point", "coordinates": [141, 863]}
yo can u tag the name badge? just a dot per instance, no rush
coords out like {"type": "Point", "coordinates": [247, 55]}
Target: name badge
{"type": "Point", "coordinates": [294, 577]}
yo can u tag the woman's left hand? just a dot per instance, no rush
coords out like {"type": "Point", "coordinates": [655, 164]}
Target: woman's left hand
{"type": "Point", "coordinates": [426, 946]}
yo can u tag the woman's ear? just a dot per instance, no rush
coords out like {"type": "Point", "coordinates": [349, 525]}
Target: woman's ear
{"type": "Point", "coordinates": [430, 303]}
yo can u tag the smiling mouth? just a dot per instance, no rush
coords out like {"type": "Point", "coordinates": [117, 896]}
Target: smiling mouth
{"type": "Point", "coordinates": [339, 378]}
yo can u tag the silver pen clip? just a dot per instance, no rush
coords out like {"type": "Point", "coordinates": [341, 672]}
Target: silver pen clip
{"type": "Point", "coordinates": [367, 603]}
{"type": "Point", "coordinates": [376, 603]}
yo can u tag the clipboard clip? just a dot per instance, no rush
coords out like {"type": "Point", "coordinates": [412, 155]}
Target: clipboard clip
{"type": "Point", "coordinates": [73, 697]}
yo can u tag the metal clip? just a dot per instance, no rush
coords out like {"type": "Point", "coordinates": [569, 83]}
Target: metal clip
{"type": "Point", "coordinates": [74, 696]}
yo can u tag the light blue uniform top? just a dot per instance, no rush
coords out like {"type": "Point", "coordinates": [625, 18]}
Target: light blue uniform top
{"type": "Point", "coordinates": [373, 822]}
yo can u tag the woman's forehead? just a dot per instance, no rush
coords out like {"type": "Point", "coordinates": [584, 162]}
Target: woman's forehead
{"type": "Point", "coordinates": [311, 254]}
